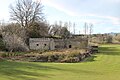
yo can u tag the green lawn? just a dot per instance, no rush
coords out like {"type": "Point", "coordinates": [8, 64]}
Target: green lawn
{"type": "Point", "coordinates": [102, 66]}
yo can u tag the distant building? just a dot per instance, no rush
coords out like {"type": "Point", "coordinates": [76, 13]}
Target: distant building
{"type": "Point", "coordinates": [56, 43]}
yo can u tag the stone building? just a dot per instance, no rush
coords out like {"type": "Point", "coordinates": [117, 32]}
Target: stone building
{"type": "Point", "coordinates": [41, 43]}
{"type": "Point", "coordinates": [56, 43]}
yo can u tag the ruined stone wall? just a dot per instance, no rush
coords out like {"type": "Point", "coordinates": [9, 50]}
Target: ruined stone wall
{"type": "Point", "coordinates": [77, 43]}
{"type": "Point", "coordinates": [59, 43]}
{"type": "Point", "coordinates": [39, 43]}
{"type": "Point", "coordinates": [52, 44]}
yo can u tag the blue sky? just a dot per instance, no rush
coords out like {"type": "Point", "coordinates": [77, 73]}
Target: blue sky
{"type": "Point", "coordinates": [103, 14]}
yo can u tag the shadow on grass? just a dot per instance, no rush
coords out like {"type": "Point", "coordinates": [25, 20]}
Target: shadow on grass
{"type": "Point", "coordinates": [90, 59]}
{"type": "Point", "coordinates": [109, 50]}
{"type": "Point", "coordinates": [35, 71]}
{"type": "Point", "coordinates": [24, 71]}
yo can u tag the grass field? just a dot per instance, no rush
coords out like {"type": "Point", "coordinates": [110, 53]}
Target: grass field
{"type": "Point", "coordinates": [102, 66]}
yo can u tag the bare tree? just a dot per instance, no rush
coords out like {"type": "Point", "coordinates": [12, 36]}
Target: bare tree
{"type": "Point", "coordinates": [88, 28]}
{"type": "Point", "coordinates": [60, 24]}
{"type": "Point", "coordinates": [74, 25]}
{"type": "Point", "coordinates": [66, 25]}
{"type": "Point", "coordinates": [91, 29]}
{"type": "Point", "coordinates": [55, 30]}
{"type": "Point", "coordinates": [13, 37]}
{"type": "Point", "coordinates": [64, 33]}
{"type": "Point", "coordinates": [85, 28]}
{"type": "Point", "coordinates": [26, 12]}
{"type": "Point", "coordinates": [39, 30]}
{"type": "Point", "coordinates": [69, 25]}
{"type": "Point", "coordinates": [60, 30]}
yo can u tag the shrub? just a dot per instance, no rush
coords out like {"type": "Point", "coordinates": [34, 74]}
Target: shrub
{"type": "Point", "coordinates": [42, 58]}
{"type": "Point", "coordinates": [4, 55]}
{"type": "Point", "coordinates": [71, 59]}
{"type": "Point", "coordinates": [60, 56]}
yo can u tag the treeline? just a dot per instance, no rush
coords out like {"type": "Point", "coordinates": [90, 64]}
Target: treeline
{"type": "Point", "coordinates": [105, 38]}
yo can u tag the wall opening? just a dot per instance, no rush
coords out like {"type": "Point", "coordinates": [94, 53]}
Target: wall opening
{"type": "Point", "coordinates": [37, 44]}
{"type": "Point", "coordinates": [70, 46]}
{"type": "Point", "coordinates": [45, 44]}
